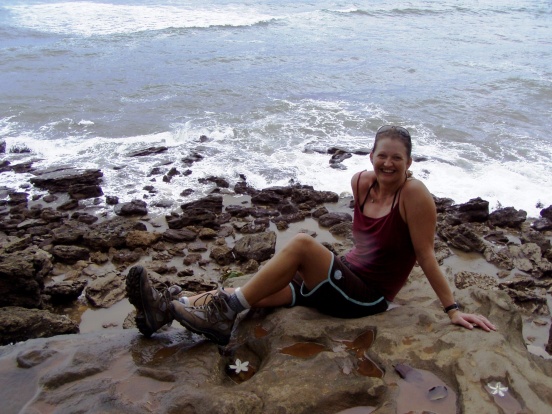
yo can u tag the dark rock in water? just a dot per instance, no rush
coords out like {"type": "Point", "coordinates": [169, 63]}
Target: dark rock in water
{"type": "Point", "coordinates": [64, 292]}
{"type": "Point", "coordinates": [331, 219]}
{"type": "Point", "coordinates": [69, 205]}
{"type": "Point", "coordinates": [475, 210]}
{"type": "Point", "coordinates": [16, 198]}
{"type": "Point", "coordinates": [180, 235]}
{"type": "Point", "coordinates": [508, 217]}
{"type": "Point", "coordinates": [222, 255]}
{"type": "Point", "coordinates": [212, 202]}
{"type": "Point", "coordinates": [62, 179]}
{"type": "Point", "coordinates": [19, 324]}
{"type": "Point", "coordinates": [547, 213]}
{"type": "Point", "coordinates": [219, 181]}
{"type": "Point", "coordinates": [148, 151]}
{"type": "Point", "coordinates": [132, 208]}
{"type": "Point", "coordinates": [70, 232]}
{"type": "Point", "coordinates": [34, 357]}
{"type": "Point", "coordinates": [111, 200]}
{"type": "Point", "coordinates": [542, 224]}
{"type": "Point", "coordinates": [70, 254]}
{"type": "Point", "coordinates": [340, 156]}
{"type": "Point", "coordinates": [82, 191]}
{"type": "Point", "coordinates": [22, 277]}
{"type": "Point", "coordinates": [258, 247]}
{"type": "Point", "coordinates": [442, 203]}
{"type": "Point", "coordinates": [462, 237]}
{"type": "Point", "coordinates": [110, 233]}
{"type": "Point", "coordinates": [105, 291]}
{"type": "Point", "coordinates": [2, 147]}
{"type": "Point", "coordinates": [193, 157]}
{"type": "Point", "coordinates": [267, 197]}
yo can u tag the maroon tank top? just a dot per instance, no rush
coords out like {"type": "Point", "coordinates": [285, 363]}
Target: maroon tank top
{"type": "Point", "coordinates": [383, 255]}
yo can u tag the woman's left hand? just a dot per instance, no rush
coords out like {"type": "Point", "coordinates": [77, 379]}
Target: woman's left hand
{"type": "Point", "coordinates": [469, 321]}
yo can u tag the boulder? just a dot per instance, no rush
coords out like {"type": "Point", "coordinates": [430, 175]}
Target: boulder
{"type": "Point", "coordinates": [105, 291]}
{"type": "Point", "coordinates": [22, 277]}
{"type": "Point", "coordinates": [475, 210]}
{"type": "Point", "coordinates": [179, 235]}
{"type": "Point", "coordinates": [111, 233]}
{"type": "Point", "coordinates": [132, 208]}
{"type": "Point", "coordinates": [62, 293]}
{"type": "Point", "coordinates": [65, 179]}
{"type": "Point", "coordinates": [508, 217]}
{"type": "Point", "coordinates": [332, 219]}
{"type": "Point", "coordinates": [70, 254]}
{"type": "Point", "coordinates": [292, 361]}
{"type": "Point", "coordinates": [20, 324]}
{"type": "Point", "coordinates": [259, 247]}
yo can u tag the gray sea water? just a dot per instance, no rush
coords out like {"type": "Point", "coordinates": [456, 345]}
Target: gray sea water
{"type": "Point", "coordinates": [273, 83]}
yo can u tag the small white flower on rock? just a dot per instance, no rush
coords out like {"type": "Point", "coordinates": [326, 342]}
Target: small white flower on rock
{"type": "Point", "coordinates": [498, 389]}
{"type": "Point", "coordinates": [240, 366]}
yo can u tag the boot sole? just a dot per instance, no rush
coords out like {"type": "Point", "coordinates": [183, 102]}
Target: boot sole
{"type": "Point", "coordinates": [133, 290]}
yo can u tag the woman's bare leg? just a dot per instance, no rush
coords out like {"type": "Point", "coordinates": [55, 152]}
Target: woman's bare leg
{"type": "Point", "coordinates": [269, 287]}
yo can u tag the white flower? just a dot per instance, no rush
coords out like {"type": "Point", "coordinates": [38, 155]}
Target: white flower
{"type": "Point", "coordinates": [240, 366]}
{"type": "Point", "coordinates": [498, 388]}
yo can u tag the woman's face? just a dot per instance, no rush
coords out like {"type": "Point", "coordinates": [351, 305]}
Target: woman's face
{"type": "Point", "coordinates": [390, 160]}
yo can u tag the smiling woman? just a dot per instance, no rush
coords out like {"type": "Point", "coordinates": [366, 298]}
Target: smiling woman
{"type": "Point", "coordinates": [390, 236]}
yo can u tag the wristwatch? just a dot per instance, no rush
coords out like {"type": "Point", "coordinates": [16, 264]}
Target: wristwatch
{"type": "Point", "coordinates": [454, 306]}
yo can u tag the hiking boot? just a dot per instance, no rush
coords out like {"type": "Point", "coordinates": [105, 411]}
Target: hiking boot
{"type": "Point", "coordinates": [152, 306]}
{"type": "Point", "coordinates": [215, 320]}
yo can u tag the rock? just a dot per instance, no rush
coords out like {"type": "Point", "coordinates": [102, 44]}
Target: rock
{"type": "Point", "coordinates": [475, 210]}
{"type": "Point", "coordinates": [542, 224]}
{"type": "Point", "coordinates": [20, 324]}
{"type": "Point", "coordinates": [465, 279]}
{"type": "Point", "coordinates": [111, 233]}
{"type": "Point", "coordinates": [22, 277]}
{"type": "Point", "coordinates": [219, 181]}
{"type": "Point", "coordinates": [332, 219]}
{"type": "Point", "coordinates": [106, 291]}
{"type": "Point", "coordinates": [212, 203]}
{"type": "Point", "coordinates": [336, 364]}
{"type": "Point", "coordinates": [462, 237]}
{"type": "Point", "coordinates": [547, 213]}
{"type": "Point", "coordinates": [193, 157]}
{"type": "Point", "coordinates": [528, 295]}
{"type": "Point", "coordinates": [267, 198]}
{"type": "Point", "coordinates": [148, 151]}
{"type": "Point", "coordinates": [180, 235]}
{"type": "Point", "coordinates": [259, 247]}
{"type": "Point", "coordinates": [70, 254]}
{"type": "Point", "coordinates": [82, 192]}
{"type": "Point", "coordinates": [222, 255]}
{"type": "Point", "coordinates": [111, 200]}
{"type": "Point", "coordinates": [64, 292]}
{"type": "Point", "coordinates": [508, 217]}
{"type": "Point", "coordinates": [65, 179]}
{"type": "Point", "coordinates": [140, 238]}
{"type": "Point", "coordinates": [132, 208]}
{"type": "Point", "coordinates": [70, 232]}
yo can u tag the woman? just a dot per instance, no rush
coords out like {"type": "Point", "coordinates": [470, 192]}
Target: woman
{"type": "Point", "coordinates": [393, 227]}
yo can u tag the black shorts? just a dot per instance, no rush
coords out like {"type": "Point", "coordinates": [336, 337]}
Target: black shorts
{"type": "Point", "coordinates": [343, 294]}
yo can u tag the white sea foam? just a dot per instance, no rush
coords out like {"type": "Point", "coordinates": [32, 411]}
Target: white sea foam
{"type": "Point", "coordinates": [90, 18]}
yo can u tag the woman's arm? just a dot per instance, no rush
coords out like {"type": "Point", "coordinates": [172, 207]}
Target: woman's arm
{"type": "Point", "coordinates": [421, 217]}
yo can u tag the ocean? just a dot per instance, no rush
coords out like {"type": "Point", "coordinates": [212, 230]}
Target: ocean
{"type": "Point", "coordinates": [272, 85]}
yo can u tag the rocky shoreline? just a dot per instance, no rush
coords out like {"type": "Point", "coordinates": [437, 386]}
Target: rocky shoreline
{"type": "Point", "coordinates": [56, 255]}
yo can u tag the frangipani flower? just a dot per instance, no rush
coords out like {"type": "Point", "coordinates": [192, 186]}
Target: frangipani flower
{"type": "Point", "coordinates": [240, 366]}
{"type": "Point", "coordinates": [497, 389]}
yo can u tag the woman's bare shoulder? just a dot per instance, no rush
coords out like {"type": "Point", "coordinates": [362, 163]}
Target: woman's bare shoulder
{"type": "Point", "coordinates": [415, 190]}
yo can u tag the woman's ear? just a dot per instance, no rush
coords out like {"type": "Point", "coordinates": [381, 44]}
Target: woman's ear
{"type": "Point", "coordinates": [372, 157]}
{"type": "Point", "coordinates": [409, 163]}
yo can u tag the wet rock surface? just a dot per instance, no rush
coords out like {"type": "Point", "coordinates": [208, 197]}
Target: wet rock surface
{"type": "Point", "coordinates": [53, 262]}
